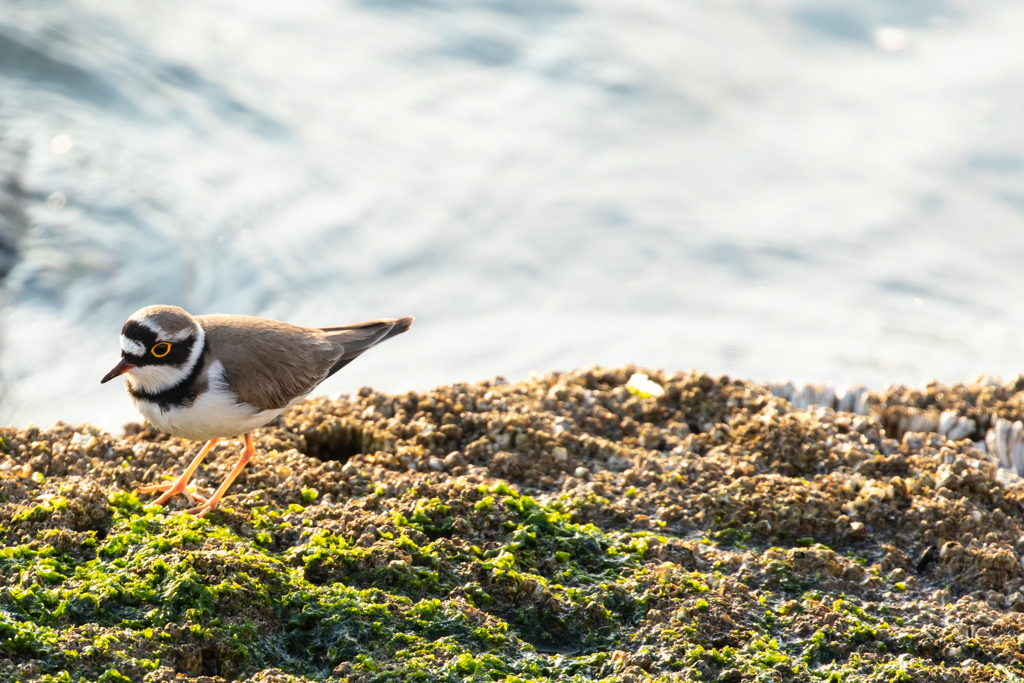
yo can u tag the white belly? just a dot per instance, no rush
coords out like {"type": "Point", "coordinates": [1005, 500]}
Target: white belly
{"type": "Point", "coordinates": [215, 413]}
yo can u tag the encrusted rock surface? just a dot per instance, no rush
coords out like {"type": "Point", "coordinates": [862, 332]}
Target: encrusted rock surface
{"type": "Point", "coordinates": [561, 528]}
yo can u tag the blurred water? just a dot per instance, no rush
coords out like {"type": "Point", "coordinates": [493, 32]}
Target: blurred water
{"type": "Point", "coordinates": [817, 191]}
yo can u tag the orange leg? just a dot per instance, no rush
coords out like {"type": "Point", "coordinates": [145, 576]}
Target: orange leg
{"type": "Point", "coordinates": [179, 485]}
{"type": "Point", "coordinates": [212, 503]}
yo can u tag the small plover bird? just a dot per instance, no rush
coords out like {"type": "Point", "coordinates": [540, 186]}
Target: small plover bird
{"type": "Point", "coordinates": [211, 377]}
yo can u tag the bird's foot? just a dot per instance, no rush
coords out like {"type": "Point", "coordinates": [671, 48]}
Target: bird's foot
{"type": "Point", "coordinates": [204, 507]}
{"type": "Point", "coordinates": [196, 498]}
{"type": "Point", "coordinates": [179, 485]}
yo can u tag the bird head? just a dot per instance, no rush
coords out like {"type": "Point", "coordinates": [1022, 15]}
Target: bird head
{"type": "Point", "coordinates": [160, 346]}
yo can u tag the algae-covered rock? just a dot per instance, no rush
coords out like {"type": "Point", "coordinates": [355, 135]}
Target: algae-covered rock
{"type": "Point", "coordinates": [570, 527]}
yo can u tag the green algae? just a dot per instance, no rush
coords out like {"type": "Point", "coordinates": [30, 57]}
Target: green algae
{"type": "Point", "coordinates": [40, 512]}
{"type": "Point", "coordinates": [154, 569]}
{"type": "Point", "coordinates": [683, 552]}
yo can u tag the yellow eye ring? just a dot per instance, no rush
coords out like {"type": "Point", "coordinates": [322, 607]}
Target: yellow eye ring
{"type": "Point", "coordinates": [161, 349]}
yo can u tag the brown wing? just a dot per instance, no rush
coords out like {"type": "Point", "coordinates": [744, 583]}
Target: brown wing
{"type": "Point", "coordinates": [268, 363]}
{"type": "Point", "coordinates": [359, 337]}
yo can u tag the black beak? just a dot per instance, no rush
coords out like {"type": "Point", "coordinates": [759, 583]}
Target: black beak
{"type": "Point", "coordinates": [122, 367]}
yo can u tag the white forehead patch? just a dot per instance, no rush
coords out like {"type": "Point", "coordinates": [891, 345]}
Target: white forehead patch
{"type": "Point", "coordinates": [180, 335]}
{"type": "Point", "coordinates": [132, 347]}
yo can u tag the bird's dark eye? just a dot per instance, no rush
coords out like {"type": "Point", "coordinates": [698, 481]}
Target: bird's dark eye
{"type": "Point", "coordinates": [160, 350]}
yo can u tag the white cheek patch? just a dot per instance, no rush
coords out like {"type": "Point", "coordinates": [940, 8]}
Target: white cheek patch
{"type": "Point", "coordinates": [132, 347]}
{"type": "Point", "coordinates": [153, 379]}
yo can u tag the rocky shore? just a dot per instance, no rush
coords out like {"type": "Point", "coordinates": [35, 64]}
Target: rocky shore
{"type": "Point", "coordinates": [566, 528]}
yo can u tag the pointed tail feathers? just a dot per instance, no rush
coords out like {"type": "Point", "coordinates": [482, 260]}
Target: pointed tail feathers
{"type": "Point", "coordinates": [358, 337]}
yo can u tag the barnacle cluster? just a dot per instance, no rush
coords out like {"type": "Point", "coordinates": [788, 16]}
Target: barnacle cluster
{"type": "Point", "coordinates": [591, 525]}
